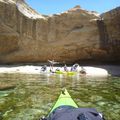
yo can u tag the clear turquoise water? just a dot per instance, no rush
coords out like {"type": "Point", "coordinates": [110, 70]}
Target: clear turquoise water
{"type": "Point", "coordinates": [32, 96]}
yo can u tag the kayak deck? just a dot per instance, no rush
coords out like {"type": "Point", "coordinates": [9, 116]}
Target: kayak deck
{"type": "Point", "coordinates": [66, 73]}
{"type": "Point", "coordinates": [64, 99]}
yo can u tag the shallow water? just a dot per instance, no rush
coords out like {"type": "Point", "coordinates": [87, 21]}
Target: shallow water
{"type": "Point", "coordinates": [32, 96]}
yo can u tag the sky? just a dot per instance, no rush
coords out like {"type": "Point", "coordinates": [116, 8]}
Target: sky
{"type": "Point", "coordinates": [48, 7]}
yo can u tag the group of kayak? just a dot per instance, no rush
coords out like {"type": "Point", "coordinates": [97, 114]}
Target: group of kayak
{"type": "Point", "coordinates": [72, 71]}
{"type": "Point", "coordinates": [66, 109]}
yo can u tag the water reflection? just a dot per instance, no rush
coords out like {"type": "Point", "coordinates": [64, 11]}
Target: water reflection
{"type": "Point", "coordinates": [33, 95]}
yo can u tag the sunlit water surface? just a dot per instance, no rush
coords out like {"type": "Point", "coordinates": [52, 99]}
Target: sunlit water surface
{"type": "Point", "coordinates": [28, 97]}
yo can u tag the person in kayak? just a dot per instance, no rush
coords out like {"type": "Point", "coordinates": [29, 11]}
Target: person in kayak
{"type": "Point", "coordinates": [65, 68]}
{"type": "Point", "coordinates": [51, 69]}
{"type": "Point", "coordinates": [52, 62]}
{"type": "Point", "coordinates": [44, 68]}
{"type": "Point", "coordinates": [82, 71]}
{"type": "Point", "coordinates": [74, 67]}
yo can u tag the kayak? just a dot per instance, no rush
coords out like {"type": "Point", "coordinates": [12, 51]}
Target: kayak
{"type": "Point", "coordinates": [59, 72]}
{"type": "Point", "coordinates": [65, 73]}
{"type": "Point", "coordinates": [64, 100]}
{"type": "Point", "coordinates": [65, 108]}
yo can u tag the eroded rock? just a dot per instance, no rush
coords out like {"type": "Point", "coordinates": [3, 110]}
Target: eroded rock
{"type": "Point", "coordinates": [76, 34]}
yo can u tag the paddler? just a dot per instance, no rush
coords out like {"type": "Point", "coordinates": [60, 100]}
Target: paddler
{"type": "Point", "coordinates": [74, 67]}
{"type": "Point", "coordinates": [72, 113]}
{"type": "Point", "coordinates": [83, 71]}
{"type": "Point", "coordinates": [52, 63]}
{"type": "Point", "coordinates": [44, 68]}
{"type": "Point", "coordinates": [65, 68]}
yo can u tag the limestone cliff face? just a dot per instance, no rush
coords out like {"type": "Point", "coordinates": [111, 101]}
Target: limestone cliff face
{"type": "Point", "coordinates": [26, 36]}
{"type": "Point", "coordinates": [111, 41]}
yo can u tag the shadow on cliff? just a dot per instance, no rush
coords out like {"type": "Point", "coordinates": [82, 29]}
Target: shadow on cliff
{"type": "Point", "coordinates": [111, 46]}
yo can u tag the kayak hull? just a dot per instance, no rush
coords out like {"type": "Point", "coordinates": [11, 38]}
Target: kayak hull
{"type": "Point", "coordinates": [64, 100]}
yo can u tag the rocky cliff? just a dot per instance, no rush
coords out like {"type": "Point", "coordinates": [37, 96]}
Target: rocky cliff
{"type": "Point", "coordinates": [111, 40]}
{"type": "Point", "coordinates": [77, 34]}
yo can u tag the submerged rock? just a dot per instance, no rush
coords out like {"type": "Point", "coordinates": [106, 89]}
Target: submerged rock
{"type": "Point", "coordinates": [6, 86]}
